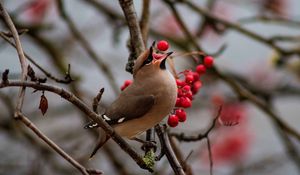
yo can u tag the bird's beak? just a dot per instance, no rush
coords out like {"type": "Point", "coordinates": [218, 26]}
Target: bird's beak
{"type": "Point", "coordinates": [161, 63]}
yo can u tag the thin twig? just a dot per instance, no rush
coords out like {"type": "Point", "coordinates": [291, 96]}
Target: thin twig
{"type": "Point", "coordinates": [21, 55]}
{"type": "Point", "coordinates": [68, 79]}
{"type": "Point", "coordinates": [182, 25]}
{"type": "Point", "coordinates": [270, 19]}
{"type": "Point", "coordinates": [165, 144]}
{"type": "Point", "coordinates": [211, 162]}
{"type": "Point", "coordinates": [200, 136]}
{"type": "Point", "coordinates": [56, 148]}
{"type": "Point", "coordinates": [204, 22]}
{"type": "Point", "coordinates": [105, 10]}
{"type": "Point", "coordinates": [85, 44]}
{"type": "Point", "coordinates": [20, 32]}
{"type": "Point", "coordinates": [57, 57]}
{"type": "Point", "coordinates": [279, 38]}
{"type": "Point", "coordinates": [144, 22]}
{"type": "Point", "coordinates": [239, 29]}
{"type": "Point", "coordinates": [291, 149]}
{"type": "Point", "coordinates": [186, 167]}
{"type": "Point", "coordinates": [116, 161]}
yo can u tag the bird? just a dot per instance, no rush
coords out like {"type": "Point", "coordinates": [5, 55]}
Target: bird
{"type": "Point", "coordinates": [144, 103]}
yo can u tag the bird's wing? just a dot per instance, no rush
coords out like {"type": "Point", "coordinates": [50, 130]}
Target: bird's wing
{"type": "Point", "coordinates": [128, 107]}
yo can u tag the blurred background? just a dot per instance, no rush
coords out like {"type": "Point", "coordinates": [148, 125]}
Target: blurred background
{"type": "Point", "coordinates": [255, 144]}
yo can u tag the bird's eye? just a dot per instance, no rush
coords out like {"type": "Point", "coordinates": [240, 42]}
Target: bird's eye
{"type": "Point", "coordinates": [148, 61]}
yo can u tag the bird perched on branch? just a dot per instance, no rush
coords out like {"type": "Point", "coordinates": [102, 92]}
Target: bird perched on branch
{"type": "Point", "coordinates": [145, 102]}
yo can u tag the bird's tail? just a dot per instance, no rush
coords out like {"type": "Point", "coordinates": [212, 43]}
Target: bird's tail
{"type": "Point", "coordinates": [103, 138]}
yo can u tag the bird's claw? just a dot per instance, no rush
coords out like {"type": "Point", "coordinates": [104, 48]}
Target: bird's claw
{"type": "Point", "coordinates": [147, 145]}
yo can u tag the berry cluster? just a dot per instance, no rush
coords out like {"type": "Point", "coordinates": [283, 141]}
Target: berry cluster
{"type": "Point", "coordinates": [187, 88]}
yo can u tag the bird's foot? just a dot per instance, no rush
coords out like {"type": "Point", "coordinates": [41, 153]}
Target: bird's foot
{"type": "Point", "coordinates": [147, 145]}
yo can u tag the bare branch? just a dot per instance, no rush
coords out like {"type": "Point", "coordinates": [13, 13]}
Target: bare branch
{"type": "Point", "coordinates": [183, 161]}
{"type": "Point", "coordinates": [165, 144]}
{"type": "Point", "coordinates": [85, 109]}
{"type": "Point", "coordinates": [68, 79]}
{"type": "Point", "coordinates": [85, 44]}
{"type": "Point", "coordinates": [271, 19]}
{"type": "Point", "coordinates": [136, 38]}
{"type": "Point", "coordinates": [144, 22]}
{"type": "Point", "coordinates": [56, 148]}
{"type": "Point", "coordinates": [184, 28]}
{"type": "Point", "coordinates": [21, 55]}
{"type": "Point", "coordinates": [211, 162]}
{"type": "Point", "coordinates": [200, 136]}
{"type": "Point", "coordinates": [238, 28]}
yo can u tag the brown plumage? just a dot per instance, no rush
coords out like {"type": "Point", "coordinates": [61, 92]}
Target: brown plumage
{"type": "Point", "coordinates": [145, 102]}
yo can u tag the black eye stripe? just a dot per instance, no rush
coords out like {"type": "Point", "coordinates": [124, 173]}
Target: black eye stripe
{"type": "Point", "coordinates": [147, 61]}
{"type": "Point", "coordinates": [149, 58]}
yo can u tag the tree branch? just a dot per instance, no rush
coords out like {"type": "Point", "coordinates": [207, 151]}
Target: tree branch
{"type": "Point", "coordinates": [68, 79]}
{"type": "Point", "coordinates": [85, 109]}
{"type": "Point", "coordinates": [56, 148]}
{"type": "Point", "coordinates": [85, 44]}
{"type": "Point", "coordinates": [21, 55]}
{"type": "Point", "coordinates": [136, 39]}
{"type": "Point", "coordinates": [144, 21]}
{"type": "Point", "coordinates": [200, 136]}
{"type": "Point", "coordinates": [239, 29]}
{"type": "Point", "coordinates": [166, 147]}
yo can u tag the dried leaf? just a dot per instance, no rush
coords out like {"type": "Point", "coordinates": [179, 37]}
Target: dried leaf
{"type": "Point", "coordinates": [43, 104]}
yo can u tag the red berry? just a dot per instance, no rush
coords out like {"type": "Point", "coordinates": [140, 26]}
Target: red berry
{"type": "Point", "coordinates": [178, 102]}
{"type": "Point", "coordinates": [180, 83]}
{"type": "Point", "coordinates": [179, 93]}
{"type": "Point", "coordinates": [196, 86]}
{"type": "Point", "coordinates": [189, 95]}
{"type": "Point", "coordinates": [173, 120]}
{"type": "Point", "coordinates": [181, 114]}
{"type": "Point", "coordinates": [208, 61]}
{"type": "Point", "coordinates": [127, 82]}
{"type": "Point", "coordinates": [201, 69]}
{"type": "Point", "coordinates": [157, 56]}
{"type": "Point", "coordinates": [186, 88]}
{"type": "Point", "coordinates": [185, 102]}
{"type": "Point", "coordinates": [189, 78]}
{"type": "Point", "coordinates": [122, 88]}
{"type": "Point", "coordinates": [162, 45]}
{"type": "Point", "coordinates": [196, 76]}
